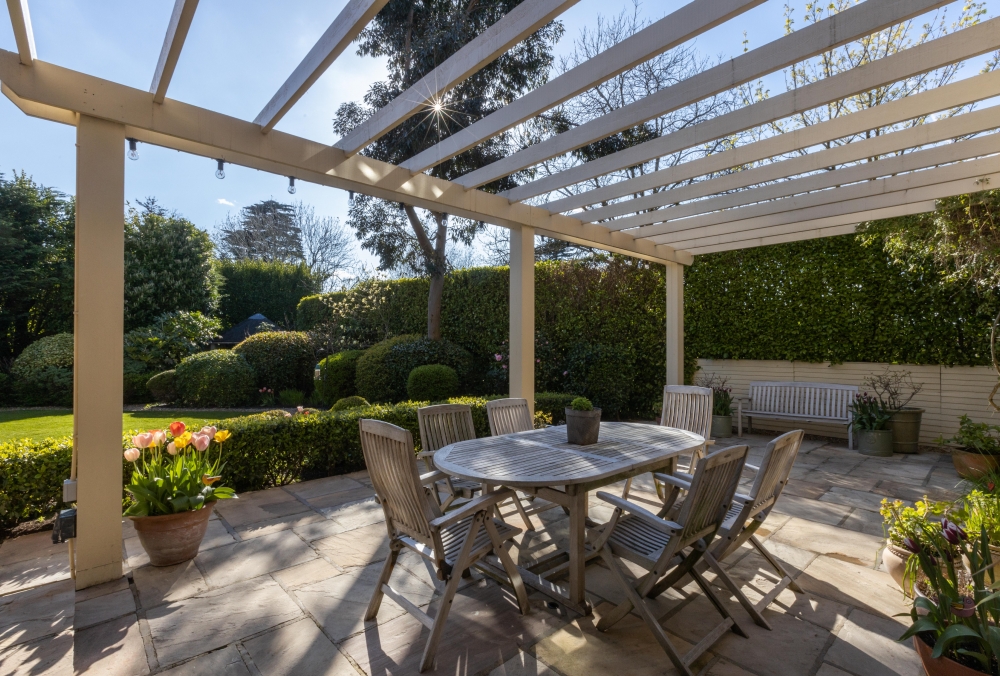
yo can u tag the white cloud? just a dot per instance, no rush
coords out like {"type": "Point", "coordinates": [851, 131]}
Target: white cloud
{"type": "Point", "coordinates": [222, 200]}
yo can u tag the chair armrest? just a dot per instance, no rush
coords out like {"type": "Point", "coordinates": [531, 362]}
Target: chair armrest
{"type": "Point", "coordinates": [674, 480]}
{"type": "Point", "coordinates": [745, 499]}
{"type": "Point", "coordinates": [425, 454]}
{"type": "Point", "coordinates": [432, 477]}
{"type": "Point", "coordinates": [662, 525]}
{"type": "Point", "coordinates": [472, 507]}
{"type": "Point", "coordinates": [710, 442]}
{"type": "Point", "coordinates": [755, 468]}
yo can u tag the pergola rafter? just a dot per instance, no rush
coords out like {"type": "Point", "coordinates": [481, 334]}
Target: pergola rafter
{"type": "Point", "coordinates": [173, 43]}
{"type": "Point", "coordinates": [24, 37]}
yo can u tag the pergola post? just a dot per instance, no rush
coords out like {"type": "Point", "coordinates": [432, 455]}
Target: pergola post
{"type": "Point", "coordinates": [99, 305]}
{"type": "Point", "coordinates": [675, 324]}
{"type": "Point", "coordinates": [522, 314]}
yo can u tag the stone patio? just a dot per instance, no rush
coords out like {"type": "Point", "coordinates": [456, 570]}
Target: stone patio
{"type": "Point", "coordinates": [284, 575]}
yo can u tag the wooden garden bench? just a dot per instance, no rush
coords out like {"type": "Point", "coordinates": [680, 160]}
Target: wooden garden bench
{"type": "Point", "coordinates": [801, 402]}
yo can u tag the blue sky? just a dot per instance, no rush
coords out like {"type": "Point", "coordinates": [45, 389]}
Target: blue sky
{"type": "Point", "coordinates": [236, 56]}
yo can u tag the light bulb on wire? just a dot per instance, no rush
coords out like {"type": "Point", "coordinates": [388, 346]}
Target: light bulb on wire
{"type": "Point", "coordinates": [220, 173]}
{"type": "Point", "coordinates": [291, 185]}
{"type": "Point", "coordinates": [133, 154]}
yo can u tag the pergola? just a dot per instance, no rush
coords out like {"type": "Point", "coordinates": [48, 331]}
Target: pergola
{"type": "Point", "coordinates": [791, 186]}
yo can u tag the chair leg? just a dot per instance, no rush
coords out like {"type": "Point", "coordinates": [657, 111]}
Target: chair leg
{"type": "Point", "coordinates": [628, 487]}
{"type": "Point", "coordinates": [508, 565]}
{"type": "Point", "coordinates": [524, 515]}
{"type": "Point", "coordinates": [705, 587]}
{"type": "Point", "coordinates": [759, 546]}
{"type": "Point", "coordinates": [736, 591]}
{"type": "Point", "coordinates": [376, 600]}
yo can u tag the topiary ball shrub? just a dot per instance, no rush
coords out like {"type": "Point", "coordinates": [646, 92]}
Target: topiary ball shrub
{"type": "Point", "coordinates": [432, 382]}
{"type": "Point", "coordinates": [215, 378]}
{"type": "Point", "coordinates": [163, 387]}
{"type": "Point", "coordinates": [281, 360]}
{"type": "Point", "coordinates": [43, 372]}
{"type": "Point", "coordinates": [349, 402]}
{"type": "Point", "coordinates": [383, 370]}
{"type": "Point", "coordinates": [49, 352]}
{"type": "Point", "coordinates": [337, 375]}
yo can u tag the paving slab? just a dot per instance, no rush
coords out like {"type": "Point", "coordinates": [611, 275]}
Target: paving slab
{"type": "Point", "coordinates": [867, 645]}
{"type": "Point", "coordinates": [240, 561]}
{"type": "Point", "coordinates": [157, 585]}
{"type": "Point", "coordinates": [29, 573]}
{"type": "Point", "coordinates": [32, 546]}
{"type": "Point", "coordinates": [33, 613]}
{"type": "Point", "coordinates": [112, 648]}
{"type": "Point", "coordinates": [341, 498]}
{"type": "Point", "coordinates": [102, 589]}
{"type": "Point", "coordinates": [103, 608]}
{"type": "Point", "coordinates": [358, 547]}
{"type": "Point", "coordinates": [307, 490]}
{"type": "Point", "coordinates": [218, 617]}
{"type": "Point", "coordinates": [811, 510]}
{"type": "Point", "coordinates": [51, 656]}
{"type": "Point", "coordinates": [309, 572]}
{"type": "Point", "coordinates": [317, 530]}
{"type": "Point", "coordinates": [224, 662]}
{"type": "Point", "coordinates": [804, 489]}
{"type": "Point", "coordinates": [829, 479]}
{"type": "Point", "coordinates": [256, 530]}
{"type": "Point", "coordinates": [830, 670]}
{"type": "Point", "coordinates": [896, 490]}
{"type": "Point", "coordinates": [297, 649]}
{"type": "Point", "coordinates": [723, 667]}
{"type": "Point", "coordinates": [836, 542]}
{"type": "Point", "coordinates": [259, 506]}
{"type": "Point", "coordinates": [355, 514]}
{"type": "Point", "coordinates": [523, 664]}
{"type": "Point", "coordinates": [853, 498]}
{"type": "Point", "coordinates": [865, 521]}
{"type": "Point", "coordinates": [869, 590]}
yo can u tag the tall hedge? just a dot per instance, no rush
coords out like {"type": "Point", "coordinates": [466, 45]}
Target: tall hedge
{"type": "Point", "coordinates": [272, 289]}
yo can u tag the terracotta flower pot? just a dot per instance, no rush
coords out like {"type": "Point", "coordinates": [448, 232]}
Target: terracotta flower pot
{"type": "Point", "coordinates": [941, 666]}
{"type": "Point", "coordinates": [895, 559]}
{"type": "Point", "coordinates": [971, 465]}
{"type": "Point", "coordinates": [722, 426]}
{"type": "Point", "coordinates": [583, 427]}
{"type": "Point", "coordinates": [172, 538]}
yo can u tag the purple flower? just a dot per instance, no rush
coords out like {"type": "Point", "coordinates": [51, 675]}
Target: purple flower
{"type": "Point", "coordinates": [565, 373]}
{"type": "Point", "coordinates": [504, 367]}
{"type": "Point", "coordinates": [912, 545]}
{"type": "Point", "coordinates": [952, 532]}
{"type": "Point", "coordinates": [499, 357]}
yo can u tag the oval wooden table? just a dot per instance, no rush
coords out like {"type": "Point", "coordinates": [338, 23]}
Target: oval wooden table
{"type": "Point", "coordinates": [541, 462]}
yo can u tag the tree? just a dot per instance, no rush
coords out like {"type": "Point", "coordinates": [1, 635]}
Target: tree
{"type": "Point", "coordinates": [168, 266]}
{"type": "Point", "coordinates": [265, 231]}
{"type": "Point", "coordinates": [36, 263]}
{"type": "Point", "coordinates": [415, 38]}
{"type": "Point", "coordinates": [326, 244]}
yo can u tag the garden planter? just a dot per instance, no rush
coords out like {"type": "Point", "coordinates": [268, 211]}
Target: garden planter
{"type": "Point", "coordinates": [942, 666]}
{"type": "Point", "coordinates": [583, 427]}
{"type": "Point", "coordinates": [874, 442]}
{"type": "Point", "coordinates": [172, 538]}
{"type": "Point", "coordinates": [894, 558]}
{"type": "Point", "coordinates": [722, 426]}
{"type": "Point", "coordinates": [905, 426]}
{"type": "Point", "coordinates": [972, 464]}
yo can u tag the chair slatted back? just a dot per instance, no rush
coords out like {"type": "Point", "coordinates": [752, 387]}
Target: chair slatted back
{"type": "Point", "coordinates": [445, 424]}
{"type": "Point", "coordinates": [711, 494]}
{"type": "Point", "coordinates": [392, 466]}
{"type": "Point", "coordinates": [508, 416]}
{"type": "Point", "coordinates": [779, 456]}
{"type": "Point", "coordinates": [688, 408]}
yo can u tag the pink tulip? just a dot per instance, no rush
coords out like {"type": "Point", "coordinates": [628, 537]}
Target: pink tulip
{"type": "Point", "coordinates": [172, 448]}
{"type": "Point", "coordinates": [144, 440]}
{"type": "Point", "coordinates": [132, 454]}
{"type": "Point", "coordinates": [159, 436]}
{"type": "Point", "coordinates": [201, 441]}
{"type": "Point", "coordinates": [209, 430]}
{"type": "Point", "coordinates": [287, 414]}
{"type": "Point", "coordinates": [299, 409]}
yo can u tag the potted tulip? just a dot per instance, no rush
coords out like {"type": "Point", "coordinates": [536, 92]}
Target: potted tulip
{"type": "Point", "coordinates": [722, 411]}
{"type": "Point", "coordinates": [174, 487]}
{"type": "Point", "coordinates": [583, 422]}
{"type": "Point", "coordinates": [869, 416]}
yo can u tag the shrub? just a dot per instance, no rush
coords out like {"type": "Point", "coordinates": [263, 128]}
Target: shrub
{"type": "Point", "coordinates": [49, 352]}
{"type": "Point", "coordinates": [6, 390]}
{"type": "Point", "coordinates": [281, 360]}
{"type": "Point", "coordinates": [173, 336]}
{"type": "Point", "coordinates": [272, 289]}
{"type": "Point", "coordinates": [349, 402]}
{"type": "Point", "coordinates": [51, 386]}
{"type": "Point", "coordinates": [601, 372]}
{"type": "Point", "coordinates": [291, 397]}
{"type": "Point", "coordinates": [553, 404]}
{"type": "Point", "coordinates": [337, 375]}
{"type": "Point", "coordinates": [432, 382]}
{"type": "Point", "coordinates": [314, 310]}
{"type": "Point", "coordinates": [215, 378]}
{"type": "Point", "coordinates": [134, 390]}
{"type": "Point", "coordinates": [383, 370]}
{"type": "Point", "coordinates": [581, 404]}
{"type": "Point", "coordinates": [163, 386]}
{"type": "Point", "coordinates": [31, 476]}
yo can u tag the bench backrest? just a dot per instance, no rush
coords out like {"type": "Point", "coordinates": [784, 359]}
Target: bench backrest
{"type": "Point", "coordinates": [820, 400]}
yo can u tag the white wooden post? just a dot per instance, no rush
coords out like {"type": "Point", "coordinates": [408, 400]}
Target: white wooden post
{"type": "Point", "coordinates": [97, 363]}
{"type": "Point", "coordinates": [675, 324]}
{"type": "Point", "coordinates": [522, 314]}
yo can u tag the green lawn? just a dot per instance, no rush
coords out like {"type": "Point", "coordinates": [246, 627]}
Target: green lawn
{"type": "Point", "coordinates": [38, 424]}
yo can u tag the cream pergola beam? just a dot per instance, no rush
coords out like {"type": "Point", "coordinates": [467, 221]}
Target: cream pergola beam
{"type": "Point", "coordinates": [708, 211]}
{"type": "Point", "coordinates": [348, 24]}
{"type": "Point", "coordinates": [173, 43]}
{"type": "Point", "coordinates": [855, 22]}
{"type": "Point", "coordinates": [515, 26]}
{"type": "Point", "coordinates": [955, 47]}
{"type": "Point", "coordinates": [676, 28]}
{"type": "Point", "coordinates": [24, 37]}
{"type": "Point", "coordinates": [959, 93]}
{"type": "Point", "coordinates": [733, 220]}
{"type": "Point", "coordinates": [188, 128]}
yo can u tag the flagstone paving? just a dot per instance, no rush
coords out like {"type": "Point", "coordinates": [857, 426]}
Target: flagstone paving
{"type": "Point", "coordinates": [283, 578]}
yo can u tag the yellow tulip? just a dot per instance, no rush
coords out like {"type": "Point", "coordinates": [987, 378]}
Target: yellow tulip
{"type": "Point", "coordinates": [209, 480]}
{"type": "Point", "coordinates": [222, 435]}
{"type": "Point", "coordinates": [183, 440]}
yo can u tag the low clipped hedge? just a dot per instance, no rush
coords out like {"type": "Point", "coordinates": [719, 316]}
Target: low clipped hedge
{"type": "Point", "coordinates": [215, 378]}
{"type": "Point", "coordinates": [349, 402]}
{"type": "Point", "coordinates": [432, 382]}
{"type": "Point", "coordinates": [384, 368]}
{"type": "Point", "coordinates": [337, 374]}
{"type": "Point", "coordinates": [553, 404]}
{"type": "Point", "coordinates": [31, 476]}
{"type": "Point", "coordinates": [281, 360]}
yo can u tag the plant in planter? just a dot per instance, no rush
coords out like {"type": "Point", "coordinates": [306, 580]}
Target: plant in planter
{"type": "Point", "coordinates": [722, 405]}
{"type": "Point", "coordinates": [583, 422]}
{"type": "Point", "coordinates": [899, 522]}
{"type": "Point", "coordinates": [897, 390]}
{"type": "Point", "coordinates": [869, 415]}
{"type": "Point", "coordinates": [976, 448]}
{"type": "Point", "coordinates": [982, 514]}
{"type": "Point", "coordinates": [174, 487]}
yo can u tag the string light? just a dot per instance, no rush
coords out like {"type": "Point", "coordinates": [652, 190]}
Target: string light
{"type": "Point", "coordinates": [350, 196]}
{"type": "Point", "coordinates": [291, 185]}
{"type": "Point", "coordinates": [220, 173]}
{"type": "Point", "coordinates": [133, 154]}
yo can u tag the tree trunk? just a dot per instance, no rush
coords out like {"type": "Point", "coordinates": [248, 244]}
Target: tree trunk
{"type": "Point", "coordinates": [434, 306]}
{"type": "Point", "coordinates": [435, 263]}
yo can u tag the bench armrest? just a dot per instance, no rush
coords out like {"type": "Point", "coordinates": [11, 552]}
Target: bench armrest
{"type": "Point", "coordinates": [662, 525]}
{"type": "Point", "coordinates": [473, 507]}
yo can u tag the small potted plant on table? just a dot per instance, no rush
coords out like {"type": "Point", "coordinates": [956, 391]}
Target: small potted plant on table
{"type": "Point", "coordinates": [869, 416]}
{"type": "Point", "coordinates": [583, 422]}
{"type": "Point", "coordinates": [174, 486]}
{"type": "Point", "coordinates": [976, 448]}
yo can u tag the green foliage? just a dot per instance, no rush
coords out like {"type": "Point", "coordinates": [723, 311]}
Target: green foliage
{"type": "Point", "coordinates": [43, 373]}
{"type": "Point", "coordinates": [313, 310]}
{"type": "Point", "coordinates": [168, 266]}
{"type": "Point", "coordinates": [281, 360]}
{"type": "Point", "coordinates": [134, 390]}
{"type": "Point", "coordinates": [36, 263]}
{"type": "Point", "coordinates": [291, 398]}
{"type": "Point", "coordinates": [383, 370]}
{"type": "Point", "coordinates": [554, 405]}
{"type": "Point", "coordinates": [272, 289]}
{"type": "Point", "coordinates": [52, 351]}
{"type": "Point", "coordinates": [349, 402]}
{"type": "Point", "coordinates": [978, 437]}
{"type": "Point", "coordinates": [337, 375]}
{"type": "Point", "coordinates": [432, 382]}
{"type": "Point", "coordinates": [869, 412]}
{"type": "Point", "coordinates": [163, 387]}
{"type": "Point", "coordinates": [170, 338]}
{"type": "Point", "coordinates": [215, 378]}
{"type": "Point", "coordinates": [581, 404]}
{"type": "Point", "coordinates": [31, 476]}
{"type": "Point", "coordinates": [6, 390]}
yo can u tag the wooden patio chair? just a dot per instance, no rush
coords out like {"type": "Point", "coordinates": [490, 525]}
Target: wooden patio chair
{"type": "Point", "coordinates": [452, 542]}
{"type": "Point", "coordinates": [687, 408]}
{"type": "Point", "coordinates": [509, 416]}
{"type": "Point", "coordinates": [669, 550]}
{"type": "Point", "coordinates": [440, 426]}
{"type": "Point", "coordinates": [746, 515]}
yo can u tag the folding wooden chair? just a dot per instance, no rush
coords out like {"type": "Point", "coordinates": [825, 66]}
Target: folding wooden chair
{"type": "Point", "coordinates": [669, 550]}
{"type": "Point", "coordinates": [746, 515]}
{"type": "Point", "coordinates": [439, 426]}
{"type": "Point", "coordinates": [453, 542]}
